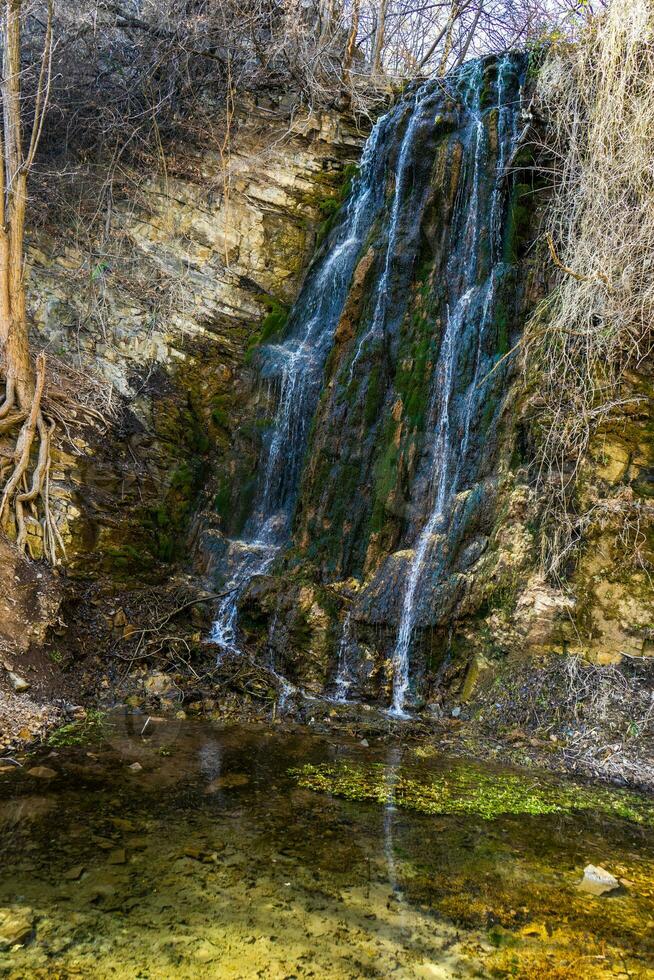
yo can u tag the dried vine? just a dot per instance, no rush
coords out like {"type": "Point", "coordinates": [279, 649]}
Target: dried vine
{"type": "Point", "coordinates": [598, 99]}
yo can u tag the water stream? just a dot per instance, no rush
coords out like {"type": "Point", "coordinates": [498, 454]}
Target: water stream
{"type": "Point", "coordinates": [211, 858]}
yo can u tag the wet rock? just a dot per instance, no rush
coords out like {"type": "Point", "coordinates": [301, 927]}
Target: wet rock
{"type": "Point", "coordinates": [478, 667]}
{"type": "Point", "coordinates": [535, 930]}
{"type": "Point", "coordinates": [159, 684]}
{"type": "Point", "coordinates": [42, 772]}
{"type": "Point", "coordinates": [16, 927]}
{"type": "Point", "coordinates": [120, 823]}
{"type": "Point", "coordinates": [206, 952]}
{"type": "Point", "coordinates": [597, 881]}
{"type": "Point", "coordinates": [74, 873]}
{"type": "Point", "coordinates": [201, 854]}
{"type": "Point", "coordinates": [118, 856]}
{"type": "Point", "coordinates": [231, 780]}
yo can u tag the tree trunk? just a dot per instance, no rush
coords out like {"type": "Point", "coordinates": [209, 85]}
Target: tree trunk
{"type": "Point", "coordinates": [380, 37]}
{"type": "Point", "coordinates": [23, 479]}
{"type": "Point", "coordinates": [352, 37]}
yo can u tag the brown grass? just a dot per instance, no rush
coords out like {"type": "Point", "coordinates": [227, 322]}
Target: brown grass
{"type": "Point", "coordinates": [598, 99]}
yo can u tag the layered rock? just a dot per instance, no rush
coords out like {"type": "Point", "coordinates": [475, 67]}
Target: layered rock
{"type": "Point", "coordinates": [159, 309]}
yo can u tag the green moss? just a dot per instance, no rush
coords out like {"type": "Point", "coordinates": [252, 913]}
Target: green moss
{"type": "Point", "coordinates": [374, 396]}
{"type": "Point", "coordinates": [330, 206]}
{"type": "Point", "coordinates": [327, 538]}
{"type": "Point", "coordinates": [126, 560]}
{"type": "Point", "coordinates": [418, 350]}
{"type": "Point", "coordinates": [385, 477]}
{"type": "Point", "coordinates": [223, 497]}
{"type": "Point", "coordinates": [93, 728]}
{"type": "Point", "coordinates": [468, 790]}
{"type": "Point", "coordinates": [519, 222]}
{"type": "Point", "coordinates": [272, 327]}
{"type": "Point", "coordinates": [167, 521]}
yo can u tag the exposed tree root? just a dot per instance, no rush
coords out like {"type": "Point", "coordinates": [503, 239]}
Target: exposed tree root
{"type": "Point", "coordinates": [10, 398]}
{"type": "Point", "coordinates": [26, 494]}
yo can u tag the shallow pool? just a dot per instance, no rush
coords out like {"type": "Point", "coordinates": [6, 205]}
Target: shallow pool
{"type": "Point", "coordinates": [190, 850]}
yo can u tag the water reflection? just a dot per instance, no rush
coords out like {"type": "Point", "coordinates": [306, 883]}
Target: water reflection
{"type": "Point", "coordinates": [211, 859]}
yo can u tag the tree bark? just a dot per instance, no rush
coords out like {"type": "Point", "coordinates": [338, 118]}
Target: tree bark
{"type": "Point", "coordinates": [380, 37]}
{"type": "Point", "coordinates": [20, 373]}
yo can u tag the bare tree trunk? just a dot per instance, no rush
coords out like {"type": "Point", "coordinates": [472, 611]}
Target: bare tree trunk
{"type": "Point", "coordinates": [20, 371]}
{"type": "Point", "coordinates": [21, 479]}
{"type": "Point", "coordinates": [463, 53]}
{"type": "Point", "coordinates": [352, 36]}
{"type": "Point", "coordinates": [380, 37]}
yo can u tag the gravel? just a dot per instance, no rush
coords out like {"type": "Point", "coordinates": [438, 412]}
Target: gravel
{"type": "Point", "coordinates": [23, 720]}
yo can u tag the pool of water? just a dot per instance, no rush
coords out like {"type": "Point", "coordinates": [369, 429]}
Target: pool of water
{"type": "Point", "coordinates": [191, 850]}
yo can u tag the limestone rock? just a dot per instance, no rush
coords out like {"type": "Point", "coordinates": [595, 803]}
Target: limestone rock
{"type": "Point", "coordinates": [542, 612]}
{"type": "Point", "coordinates": [18, 683]}
{"type": "Point", "coordinates": [159, 684]}
{"type": "Point", "coordinates": [597, 881]}
{"type": "Point", "coordinates": [16, 927]}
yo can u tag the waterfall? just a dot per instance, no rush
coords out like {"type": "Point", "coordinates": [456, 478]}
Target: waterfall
{"type": "Point", "coordinates": [385, 212]}
{"type": "Point", "coordinates": [294, 369]}
{"type": "Point", "coordinates": [343, 680]}
{"type": "Point", "coordinates": [402, 178]}
{"type": "Point", "coordinates": [468, 315]}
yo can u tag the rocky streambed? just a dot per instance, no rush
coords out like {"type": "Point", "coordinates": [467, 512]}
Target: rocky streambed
{"type": "Point", "coordinates": [155, 847]}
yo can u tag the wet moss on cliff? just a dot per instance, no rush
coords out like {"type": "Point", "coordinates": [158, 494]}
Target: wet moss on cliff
{"type": "Point", "coordinates": [272, 327]}
{"type": "Point", "coordinates": [329, 207]}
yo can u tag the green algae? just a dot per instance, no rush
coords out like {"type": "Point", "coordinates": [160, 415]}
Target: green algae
{"type": "Point", "coordinates": [228, 870]}
{"type": "Point", "coordinates": [330, 206]}
{"type": "Point", "coordinates": [467, 790]}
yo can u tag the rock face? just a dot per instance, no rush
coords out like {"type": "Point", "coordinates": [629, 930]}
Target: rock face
{"type": "Point", "coordinates": [401, 513]}
{"type": "Point", "coordinates": [597, 881]}
{"type": "Point", "coordinates": [395, 437]}
{"type": "Point", "coordinates": [167, 316]}
{"type": "Point", "coordinates": [160, 310]}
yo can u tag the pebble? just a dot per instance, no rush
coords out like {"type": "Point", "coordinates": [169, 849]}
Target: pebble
{"type": "Point", "coordinates": [18, 683]}
{"type": "Point", "coordinates": [42, 772]}
{"type": "Point", "coordinates": [75, 873]}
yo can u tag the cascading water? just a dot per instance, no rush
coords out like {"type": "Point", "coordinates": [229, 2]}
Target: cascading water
{"type": "Point", "coordinates": [402, 178]}
{"type": "Point", "coordinates": [396, 186]}
{"type": "Point", "coordinates": [469, 311]}
{"type": "Point", "coordinates": [343, 680]}
{"type": "Point", "coordinates": [294, 369]}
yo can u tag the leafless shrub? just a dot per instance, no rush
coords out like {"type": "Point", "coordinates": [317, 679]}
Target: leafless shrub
{"type": "Point", "coordinates": [598, 98]}
{"type": "Point", "coordinates": [600, 717]}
